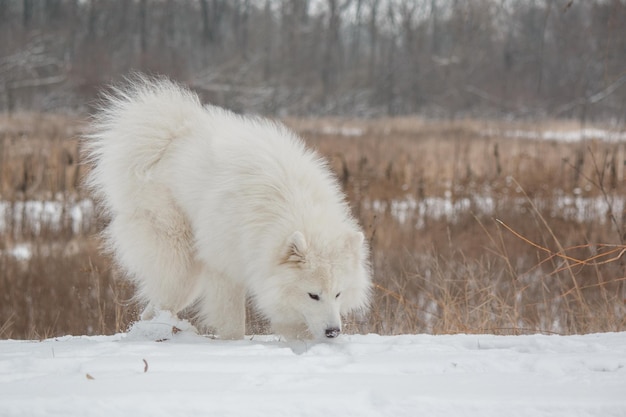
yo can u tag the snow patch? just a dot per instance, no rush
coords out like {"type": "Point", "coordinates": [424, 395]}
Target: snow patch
{"type": "Point", "coordinates": [35, 215]}
{"type": "Point", "coordinates": [342, 131]}
{"type": "Point", "coordinates": [163, 326]}
{"type": "Point", "coordinates": [561, 135]}
{"type": "Point", "coordinates": [419, 211]}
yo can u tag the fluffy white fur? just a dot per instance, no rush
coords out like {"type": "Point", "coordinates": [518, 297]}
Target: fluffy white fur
{"type": "Point", "coordinates": [208, 207]}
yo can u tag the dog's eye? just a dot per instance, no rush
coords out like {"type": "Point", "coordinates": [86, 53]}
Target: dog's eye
{"type": "Point", "coordinates": [314, 296]}
{"type": "Point", "coordinates": [338, 294]}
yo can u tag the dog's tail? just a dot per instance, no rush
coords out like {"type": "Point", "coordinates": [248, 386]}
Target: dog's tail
{"type": "Point", "coordinates": [133, 128]}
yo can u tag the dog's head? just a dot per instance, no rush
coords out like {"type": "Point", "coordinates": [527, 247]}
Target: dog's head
{"type": "Point", "coordinates": [317, 282]}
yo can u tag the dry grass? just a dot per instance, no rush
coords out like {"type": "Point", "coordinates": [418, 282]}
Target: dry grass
{"type": "Point", "coordinates": [55, 293]}
{"type": "Point", "coordinates": [524, 266]}
{"type": "Point", "coordinates": [38, 156]}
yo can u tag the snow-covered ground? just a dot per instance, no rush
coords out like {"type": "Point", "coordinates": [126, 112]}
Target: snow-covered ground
{"type": "Point", "coordinates": [151, 371]}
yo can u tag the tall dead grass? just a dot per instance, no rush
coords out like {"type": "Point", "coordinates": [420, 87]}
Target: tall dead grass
{"type": "Point", "coordinates": [524, 266]}
{"type": "Point", "coordinates": [55, 293]}
{"type": "Point", "coordinates": [39, 155]}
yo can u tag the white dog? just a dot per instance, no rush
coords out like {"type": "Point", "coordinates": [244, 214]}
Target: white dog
{"type": "Point", "coordinates": [208, 207]}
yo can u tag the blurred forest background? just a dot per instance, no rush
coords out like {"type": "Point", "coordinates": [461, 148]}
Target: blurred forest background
{"type": "Point", "coordinates": [438, 58]}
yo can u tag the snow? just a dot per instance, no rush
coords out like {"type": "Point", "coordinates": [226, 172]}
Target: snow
{"type": "Point", "coordinates": [449, 208]}
{"type": "Point", "coordinates": [569, 136]}
{"type": "Point", "coordinates": [153, 371]}
{"type": "Point", "coordinates": [34, 215]}
{"type": "Point", "coordinates": [342, 131]}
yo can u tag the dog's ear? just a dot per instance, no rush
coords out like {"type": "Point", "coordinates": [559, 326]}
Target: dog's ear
{"type": "Point", "coordinates": [296, 248]}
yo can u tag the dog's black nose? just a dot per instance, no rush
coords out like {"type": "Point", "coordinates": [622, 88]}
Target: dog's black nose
{"type": "Point", "coordinates": [332, 332]}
